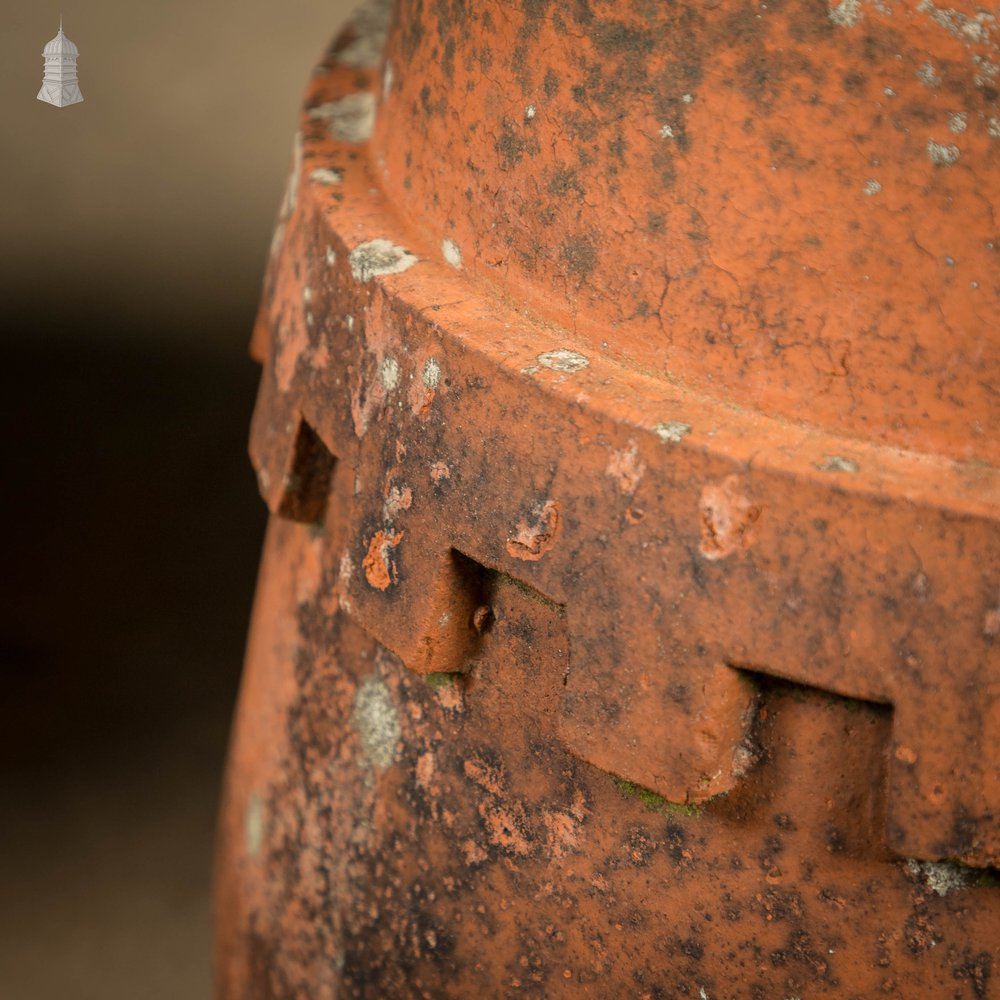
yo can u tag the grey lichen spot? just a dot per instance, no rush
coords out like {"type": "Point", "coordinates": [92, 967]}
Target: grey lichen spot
{"type": "Point", "coordinates": [871, 187]}
{"type": "Point", "coordinates": [253, 825]}
{"type": "Point", "coordinates": [928, 76]}
{"type": "Point", "coordinates": [346, 569]}
{"type": "Point", "coordinates": [370, 24]}
{"type": "Point", "coordinates": [942, 154]}
{"type": "Point", "coordinates": [331, 256]}
{"type": "Point", "coordinates": [386, 80]}
{"type": "Point", "coordinates": [993, 127]}
{"type": "Point", "coordinates": [351, 119]}
{"type": "Point", "coordinates": [377, 722]}
{"type": "Point", "coordinates": [431, 374]}
{"type": "Point", "coordinates": [988, 70]}
{"type": "Point", "coordinates": [326, 175]}
{"type": "Point", "coordinates": [563, 361]}
{"type": "Point", "coordinates": [845, 14]}
{"type": "Point", "coordinates": [452, 253]}
{"type": "Point", "coordinates": [389, 374]}
{"type": "Point", "coordinates": [888, 91]}
{"type": "Point", "coordinates": [958, 122]}
{"type": "Point", "coordinates": [837, 463]}
{"type": "Point", "coordinates": [941, 877]}
{"type": "Point", "coordinates": [672, 431]}
{"type": "Point", "coordinates": [961, 26]}
{"type": "Point", "coordinates": [377, 257]}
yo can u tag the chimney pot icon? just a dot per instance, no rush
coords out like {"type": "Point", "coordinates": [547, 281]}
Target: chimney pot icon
{"type": "Point", "coordinates": [60, 86]}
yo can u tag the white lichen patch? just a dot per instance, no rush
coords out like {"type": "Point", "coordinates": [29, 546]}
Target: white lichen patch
{"type": "Point", "coordinates": [400, 498]}
{"type": "Point", "coordinates": [377, 722]}
{"type": "Point", "coordinates": [958, 121]}
{"type": "Point", "coordinates": [941, 877]}
{"type": "Point", "coordinates": [928, 75]}
{"type": "Point", "coordinates": [671, 431]}
{"type": "Point", "coordinates": [346, 569]}
{"type": "Point", "coordinates": [993, 127]}
{"type": "Point", "coordinates": [666, 132]}
{"type": "Point", "coordinates": [961, 26]}
{"type": "Point", "coordinates": [529, 112]}
{"type": "Point", "coordinates": [626, 468]}
{"type": "Point", "coordinates": [563, 361]}
{"type": "Point", "coordinates": [987, 70]}
{"type": "Point", "coordinates": [452, 253]}
{"type": "Point", "coordinates": [253, 825]}
{"type": "Point", "coordinates": [386, 80]}
{"type": "Point", "coordinates": [871, 187]}
{"type": "Point", "coordinates": [330, 257]}
{"type": "Point", "coordinates": [845, 14]}
{"type": "Point", "coordinates": [431, 375]}
{"type": "Point", "coordinates": [942, 154]}
{"type": "Point", "coordinates": [837, 463]}
{"type": "Point", "coordinates": [326, 175]}
{"type": "Point", "coordinates": [388, 372]}
{"type": "Point", "coordinates": [377, 257]}
{"type": "Point", "coordinates": [350, 119]}
{"type": "Point", "coordinates": [370, 28]}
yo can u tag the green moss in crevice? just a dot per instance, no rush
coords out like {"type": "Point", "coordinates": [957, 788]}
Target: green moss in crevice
{"type": "Point", "coordinates": [438, 681]}
{"type": "Point", "coordinates": [652, 801]}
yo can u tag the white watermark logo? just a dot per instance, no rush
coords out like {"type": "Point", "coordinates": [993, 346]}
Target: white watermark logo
{"type": "Point", "coordinates": [60, 85]}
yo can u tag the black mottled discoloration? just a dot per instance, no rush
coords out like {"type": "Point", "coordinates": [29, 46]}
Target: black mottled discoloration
{"type": "Point", "coordinates": [975, 970]}
{"type": "Point", "coordinates": [512, 144]}
{"type": "Point", "coordinates": [580, 256]}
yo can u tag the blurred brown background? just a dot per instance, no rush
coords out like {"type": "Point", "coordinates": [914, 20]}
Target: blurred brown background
{"type": "Point", "coordinates": [133, 232]}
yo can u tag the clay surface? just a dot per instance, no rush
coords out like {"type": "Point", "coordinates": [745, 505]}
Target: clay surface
{"type": "Point", "coordinates": [628, 619]}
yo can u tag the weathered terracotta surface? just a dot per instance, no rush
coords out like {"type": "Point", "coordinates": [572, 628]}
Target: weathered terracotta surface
{"type": "Point", "coordinates": [628, 619]}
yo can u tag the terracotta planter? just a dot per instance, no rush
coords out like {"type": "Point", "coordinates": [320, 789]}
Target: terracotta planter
{"type": "Point", "coordinates": [628, 620]}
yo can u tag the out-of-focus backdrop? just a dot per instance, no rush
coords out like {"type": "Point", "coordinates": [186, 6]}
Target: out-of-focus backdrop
{"type": "Point", "coordinates": [133, 233]}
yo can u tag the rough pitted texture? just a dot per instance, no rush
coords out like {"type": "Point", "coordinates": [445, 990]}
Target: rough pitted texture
{"type": "Point", "coordinates": [472, 856]}
{"type": "Point", "coordinates": [607, 642]}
